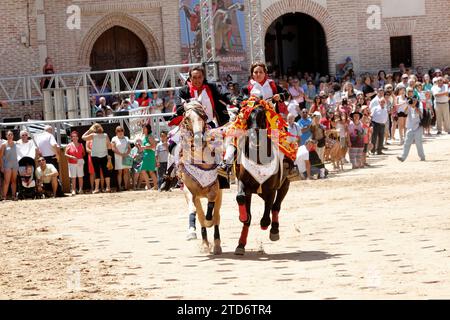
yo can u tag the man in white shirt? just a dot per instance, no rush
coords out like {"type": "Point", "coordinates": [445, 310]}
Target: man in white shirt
{"type": "Point", "coordinates": [302, 161]}
{"type": "Point", "coordinates": [440, 92]}
{"type": "Point", "coordinates": [48, 147]}
{"type": "Point", "coordinates": [379, 119]}
{"type": "Point", "coordinates": [47, 177]}
{"type": "Point", "coordinates": [133, 103]}
{"type": "Point", "coordinates": [376, 101]}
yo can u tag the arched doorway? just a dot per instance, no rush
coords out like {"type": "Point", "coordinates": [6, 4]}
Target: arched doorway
{"type": "Point", "coordinates": [296, 42]}
{"type": "Point", "coordinates": [118, 48]}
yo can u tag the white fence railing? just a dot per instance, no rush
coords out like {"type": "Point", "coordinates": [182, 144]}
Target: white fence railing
{"type": "Point", "coordinates": [133, 122]}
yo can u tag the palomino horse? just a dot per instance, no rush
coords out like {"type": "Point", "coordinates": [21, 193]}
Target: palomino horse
{"type": "Point", "coordinates": [265, 175]}
{"type": "Point", "coordinates": [197, 168]}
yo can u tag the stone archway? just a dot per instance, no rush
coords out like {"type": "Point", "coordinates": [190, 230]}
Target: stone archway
{"type": "Point", "coordinates": [118, 48]}
{"type": "Point", "coordinates": [150, 41]}
{"type": "Point", "coordinates": [310, 8]}
{"type": "Point", "coordinates": [296, 42]}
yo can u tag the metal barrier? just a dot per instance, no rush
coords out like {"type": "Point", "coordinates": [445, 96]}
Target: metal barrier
{"type": "Point", "coordinates": [115, 82]}
{"type": "Point", "coordinates": [133, 122]}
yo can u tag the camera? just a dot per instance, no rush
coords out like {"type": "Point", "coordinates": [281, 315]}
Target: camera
{"type": "Point", "coordinates": [411, 100]}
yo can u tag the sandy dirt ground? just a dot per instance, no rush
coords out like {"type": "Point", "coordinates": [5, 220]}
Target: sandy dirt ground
{"type": "Point", "coordinates": [376, 233]}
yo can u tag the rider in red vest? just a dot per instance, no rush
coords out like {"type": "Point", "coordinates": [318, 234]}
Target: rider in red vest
{"type": "Point", "coordinates": [260, 86]}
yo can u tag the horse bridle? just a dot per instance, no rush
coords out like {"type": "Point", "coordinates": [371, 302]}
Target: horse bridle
{"type": "Point", "coordinates": [200, 112]}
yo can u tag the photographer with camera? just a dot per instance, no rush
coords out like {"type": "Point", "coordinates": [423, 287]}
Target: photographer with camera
{"type": "Point", "coordinates": [414, 129]}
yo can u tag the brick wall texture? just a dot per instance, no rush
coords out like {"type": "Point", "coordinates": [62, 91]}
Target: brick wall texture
{"type": "Point", "coordinates": [156, 22]}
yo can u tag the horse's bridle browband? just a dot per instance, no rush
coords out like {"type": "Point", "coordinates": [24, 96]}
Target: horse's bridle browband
{"type": "Point", "coordinates": [199, 111]}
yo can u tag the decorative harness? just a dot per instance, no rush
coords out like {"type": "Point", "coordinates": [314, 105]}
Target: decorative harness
{"type": "Point", "coordinates": [204, 177]}
{"type": "Point", "coordinates": [276, 126]}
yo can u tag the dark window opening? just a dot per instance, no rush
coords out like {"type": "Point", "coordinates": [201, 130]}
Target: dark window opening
{"type": "Point", "coordinates": [401, 51]}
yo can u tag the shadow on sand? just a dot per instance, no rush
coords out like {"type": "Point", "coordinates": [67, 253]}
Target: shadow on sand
{"type": "Point", "coordinates": [291, 256]}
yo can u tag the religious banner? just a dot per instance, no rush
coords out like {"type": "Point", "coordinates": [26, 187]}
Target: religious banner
{"type": "Point", "coordinates": [230, 35]}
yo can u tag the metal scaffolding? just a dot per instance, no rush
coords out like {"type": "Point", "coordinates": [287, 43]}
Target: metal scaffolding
{"type": "Point", "coordinates": [113, 82]}
{"type": "Point", "coordinates": [208, 40]}
{"type": "Point", "coordinates": [255, 23]}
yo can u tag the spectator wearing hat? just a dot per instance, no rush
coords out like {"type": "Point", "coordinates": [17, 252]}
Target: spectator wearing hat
{"type": "Point", "coordinates": [404, 79]}
{"type": "Point", "coordinates": [441, 107]}
{"type": "Point", "coordinates": [356, 140]}
{"type": "Point", "coordinates": [437, 73]}
{"type": "Point", "coordinates": [379, 119]}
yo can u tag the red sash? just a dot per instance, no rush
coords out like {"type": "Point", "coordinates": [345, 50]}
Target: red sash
{"type": "Point", "coordinates": [192, 90]}
{"type": "Point", "coordinates": [271, 83]}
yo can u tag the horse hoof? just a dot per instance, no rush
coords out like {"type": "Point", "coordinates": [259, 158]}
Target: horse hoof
{"type": "Point", "coordinates": [191, 236]}
{"type": "Point", "coordinates": [205, 248]}
{"type": "Point", "coordinates": [265, 223]}
{"type": "Point", "coordinates": [274, 236]}
{"type": "Point", "coordinates": [239, 251]}
{"type": "Point", "coordinates": [217, 250]}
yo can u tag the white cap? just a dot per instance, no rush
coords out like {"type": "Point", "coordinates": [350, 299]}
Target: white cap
{"type": "Point", "coordinates": [317, 113]}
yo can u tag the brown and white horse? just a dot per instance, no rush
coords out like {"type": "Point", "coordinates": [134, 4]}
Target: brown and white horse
{"type": "Point", "coordinates": [197, 168]}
